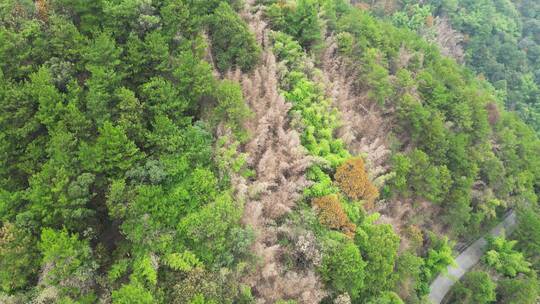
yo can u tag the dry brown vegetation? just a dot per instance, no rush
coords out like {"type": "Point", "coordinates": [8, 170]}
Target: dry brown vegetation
{"type": "Point", "coordinates": [402, 214]}
{"type": "Point", "coordinates": [364, 128]}
{"type": "Point", "coordinates": [449, 41]}
{"type": "Point", "coordinates": [279, 162]}
{"type": "Point", "coordinates": [386, 6]}
{"type": "Point", "coordinates": [493, 113]}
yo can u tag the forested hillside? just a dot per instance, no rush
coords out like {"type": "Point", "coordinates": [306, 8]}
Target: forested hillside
{"type": "Point", "coordinates": [498, 39]}
{"type": "Point", "coordinates": [266, 151]}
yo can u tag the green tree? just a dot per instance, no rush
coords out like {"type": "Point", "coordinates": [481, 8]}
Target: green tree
{"type": "Point", "coordinates": [177, 15]}
{"type": "Point", "coordinates": [18, 258]}
{"type": "Point", "coordinates": [102, 52]}
{"type": "Point", "coordinates": [147, 57]}
{"type": "Point", "coordinates": [132, 293]}
{"type": "Point", "coordinates": [520, 290]}
{"type": "Point", "coordinates": [475, 287]}
{"type": "Point", "coordinates": [130, 114]}
{"type": "Point", "coordinates": [22, 132]}
{"type": "Point", "coordinates": [230, 107]}
{"type": "Point", "coordinates": [422, 177]}
{"type": "Point", "coordinates": [101, 57]}
{"type": "Point", "coordinates": [458, 206]}
{"type": "Point", "coordinates": [376, 76]}
{"type": "Point", "coordinates": [502, 256]}
{"type": "Point", "coordinates": [68, 260]}
{"type": "Point", "coordinates": [193, 75]}
{"type": "Point", "coordinates": [163, 99]}
{"type": "Point", "coordinates": [343, 268]}
{"type": "Point", "coordinates": [100, 93]}
{"type": "Point", "coordinates": [49, 99]}
{"type": "Point", "coordinates": [401, 166]}
{"type": "Point", "coordinates": [58, 198]}
{"type": "Point", "coordinates": [221, 242]}
{"type": "Point", "coordinates": [378, 245]}
{"type": "Point", "coordinates": [300, 20]}
{"type": "Point", "coordinates": [111, 154]}
{"type": "Point", "coordinates": [232, 43]}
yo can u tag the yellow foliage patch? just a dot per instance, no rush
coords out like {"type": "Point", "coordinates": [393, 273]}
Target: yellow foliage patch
{"type": "Point", "coordinates": [42, 8]}
{"type": "Point", "coordinates": [331, 214]}
{"type": "Point", "coordinates": [353, 180]}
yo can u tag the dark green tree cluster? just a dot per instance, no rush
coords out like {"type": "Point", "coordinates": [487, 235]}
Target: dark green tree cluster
{"type": "Point", "coordinates": [109, 184]}
{"type": "Point", "coordinates": [519, 260]}
{"type": "Point", "coordinates": [299, 19]}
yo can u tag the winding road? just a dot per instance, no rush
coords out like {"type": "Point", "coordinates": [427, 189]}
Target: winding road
{"type": "Point", "coordinates": [466, 260]}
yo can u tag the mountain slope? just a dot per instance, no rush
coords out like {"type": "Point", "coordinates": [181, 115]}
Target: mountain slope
{"type": "Point", "coordinates": [185, 151]}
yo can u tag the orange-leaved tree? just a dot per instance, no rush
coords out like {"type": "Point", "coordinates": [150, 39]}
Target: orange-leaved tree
{"type": "Point", "coordinates": [332, 215]}
{"type": "Point", "coordinates": [42, 7]}
{"type": "Point", "coordinates": [353, 180]}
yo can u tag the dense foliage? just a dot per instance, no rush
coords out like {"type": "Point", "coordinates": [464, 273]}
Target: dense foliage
{"type": "Point", "coordinates": [291, 151]}
{"type": "Point", "coordinates": [475, 287]}
{"type": "Point", "coordinates": [109, 176]}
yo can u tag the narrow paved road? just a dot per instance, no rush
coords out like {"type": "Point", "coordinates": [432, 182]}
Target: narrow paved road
{"type": "Point", "coordinates": [466, 260]}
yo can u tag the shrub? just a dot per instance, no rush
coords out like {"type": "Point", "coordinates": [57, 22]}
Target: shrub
{"type": "Point", "coordinates": [494, 114]}
{"type": "Point", "coordinates": [67, 263]}
{"type": "Point", "coordinates": [409, 276]}
{"type": "Point", "coordinates": [439, 256]}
